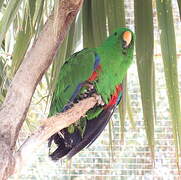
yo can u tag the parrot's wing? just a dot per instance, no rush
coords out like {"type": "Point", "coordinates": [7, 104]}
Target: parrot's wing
{"type": "Point", "coordinates": [85, 73]}
{"type": "Point", "coordinates": [76, 70]}
{"type": "Point", "coordinates": [94, 128]}
{"type": "Point", "coordinates": [96, 125]}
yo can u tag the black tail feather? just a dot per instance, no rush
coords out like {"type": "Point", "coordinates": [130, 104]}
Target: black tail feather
{"type": "Point", "coordinates": [93, 130]}
{"type": "Point", "coordinates": [61, 150]}
{"type": "Point", "coordinates": [71, 144]}
{"type": "Point", "coordinates": [65, 142]}
{"type": "Point", "coordinates": [59, 153]}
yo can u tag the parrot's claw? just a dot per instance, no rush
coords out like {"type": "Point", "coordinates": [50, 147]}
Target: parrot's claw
{"type": "Point", "coordinates": [91, 87]}
{"type": "Point", "coordinates": [85, 95]}
{"type": "Point", "coordinates": [67, 106]}
{"type": "Point", "coordinates": [99, 99]}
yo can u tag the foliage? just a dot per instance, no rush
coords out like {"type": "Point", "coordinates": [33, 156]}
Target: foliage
{"type": "Point", "coordinates": [144, 57]}
{"type": "Point", "coordinates": [21, 22]}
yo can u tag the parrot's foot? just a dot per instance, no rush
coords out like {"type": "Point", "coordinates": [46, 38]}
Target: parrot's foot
{"type": "Point", "coordinates": [91, 87]}
{"type": "Point", "coordinates": [87, 92]}
{"type": "Point", "coordinates": [67, 106]}
{"type": "Point", "coordinates": [99, 99]}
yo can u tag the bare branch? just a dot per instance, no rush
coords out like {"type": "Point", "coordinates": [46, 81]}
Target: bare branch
{"type": "Point", "coordinates": [49, 127]}
{"type": "Point", "coordinates": [36, 62]}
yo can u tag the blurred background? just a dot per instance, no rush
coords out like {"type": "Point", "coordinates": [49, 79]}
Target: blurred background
{"type": "Point", "coordinates": [142, 141]}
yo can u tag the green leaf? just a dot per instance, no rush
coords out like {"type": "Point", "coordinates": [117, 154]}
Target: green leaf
{"type": "Point", "coordinates": [98, 21]}
{"type": "Point", "coordinates": [129, 110]}
{"type": "Point", "coordinates": [8, 17]}
{"type": "Point", "coordinates": [88, 40]}
{"type": "Point", "coordinates": [70, 43]}
{"type": "Point", "coordinates": [144, 56]}
{"type": "Point", "coordinates": [1, 3]}
{"type": "Point", "coordinates": [115, 12]}
{"type": "Point", "coordinates": [179, 6]}
{"type": "Point", "coordinates": [38, 16]}
{"type": "Point", "coordinates": [110, 140]}
{"type": "Point", "coordinates": [77, 32]}
{"type": "Point", "coordinates": [168, 47]}
{"type": "Point", "coordinates": [122, 110]}
{"type": "Point", "coordinates": [4, 82]}
{"type": "Point", "coordinates": [24, 36]}
{"type": "Point", "coordinates": [1, 70]}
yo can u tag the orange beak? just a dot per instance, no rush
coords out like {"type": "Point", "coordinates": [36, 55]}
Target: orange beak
{"type": "Point", "coordinates": [127, 37]}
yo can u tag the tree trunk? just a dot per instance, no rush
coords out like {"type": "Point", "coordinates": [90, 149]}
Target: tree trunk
{"type": "Point", "coordinates": [36, 62]}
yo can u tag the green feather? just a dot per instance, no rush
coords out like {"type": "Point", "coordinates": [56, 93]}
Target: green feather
{"type": "Point", "coordinates": [114, 61]}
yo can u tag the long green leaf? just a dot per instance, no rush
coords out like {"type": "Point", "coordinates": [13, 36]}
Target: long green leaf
{"type": "Point", "coordinates": [24, 36]}
{"type": "Point", "coordinates": [38, 11]}
{"type": "Point", "coordinates": [1, 70]}
{"type": "Point", "coordinates": [78, 32]}
{"type": "Point", "coordinates": [74, 38]}
{"type": "Point", "coordinates": [168, 47]}
{"type": "Point", "coordinates": [88, 40]}
{"type": "Point", "coordinates": [179, 6]}
{"type": "Point", "coordinates": [110, 141]}
{"type": "Point", "coordinates": [1, 3]}
{"type": "Point", "coordinates": [115, 12]}
{"type": "Point", "coordinates": [4, 82]}
{"type": "Point", "coordinates": [70, 43]}
{"type": "Point", "coordinates": [130, 112]}
{"type": "Point", "coordinates": [144, 55]}
{"type": "Point", "coordinates": [38, 17]}
{"type": "Point", "coordinates": [122, 110]}
{"type": "Point", "coordinates": [98, 21]}
{"type": "Point", "coordinates": [8, 17]}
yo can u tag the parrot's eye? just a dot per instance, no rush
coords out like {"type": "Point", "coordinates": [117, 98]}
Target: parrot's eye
{"type": "Point", "coordinates": [115, 33]}
{"type": "Point", "coordinates": [127, 37]}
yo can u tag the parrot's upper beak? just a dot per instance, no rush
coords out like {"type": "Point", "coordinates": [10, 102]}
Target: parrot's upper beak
{"type": "Point", "coordinates": [127, 37]}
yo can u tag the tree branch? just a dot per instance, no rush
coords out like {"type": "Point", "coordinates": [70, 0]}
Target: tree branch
{"type": "Point", "coordinates": [36, 62]}
{"type": "Point", "coordinates": [49, 127]}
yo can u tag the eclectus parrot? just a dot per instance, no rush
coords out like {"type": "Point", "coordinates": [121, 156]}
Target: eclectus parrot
{"type": "Point", "coordinates": [91, 71]}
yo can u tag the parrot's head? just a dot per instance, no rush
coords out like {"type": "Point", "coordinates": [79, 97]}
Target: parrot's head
{"type": "Point", "coordinates": [122, 41]}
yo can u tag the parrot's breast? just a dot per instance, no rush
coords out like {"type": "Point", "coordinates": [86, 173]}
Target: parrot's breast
{"type": "Point", "coordinates": [108, 75]}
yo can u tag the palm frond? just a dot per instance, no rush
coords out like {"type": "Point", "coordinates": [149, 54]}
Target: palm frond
{"type": "Point", "coordinates": [179, 5]}
{"type": "Point", "coordinates": [98, 21]}
{"type": "Point", "coordinates": [88, 40]}
{"type": "Point", "coordinates": [8, 17]}
{"type": "Point", "coordinates": [168, 47]}
{"type": "Point", "coordinates": [144, 56]}
{"type": "Point", "coordinates": [24, 36]}
{"type": "Point", "coordinates": [1, 3]}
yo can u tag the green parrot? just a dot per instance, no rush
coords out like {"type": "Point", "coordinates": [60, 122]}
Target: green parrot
{"type": "Point", "coordinates": [88, 72]}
